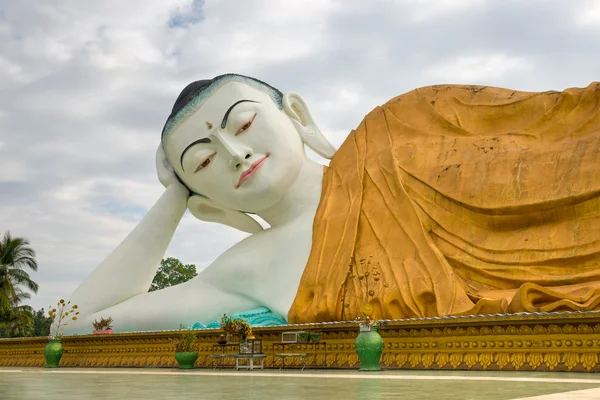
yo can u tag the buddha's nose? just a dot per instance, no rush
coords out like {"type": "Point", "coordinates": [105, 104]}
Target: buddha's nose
{"type": "Point", "coordinates": [237, 159]}
{"type": "Point", "coordinates": [237, 150]}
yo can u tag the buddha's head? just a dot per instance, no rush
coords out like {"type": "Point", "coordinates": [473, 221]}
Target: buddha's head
{"type": "Point", "coordinates": [238, 145]}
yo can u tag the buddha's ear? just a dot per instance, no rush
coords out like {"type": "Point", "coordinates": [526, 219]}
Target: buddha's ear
{"type": "Point", "coordinates": [296, 108]}
{"type": "Point", "coordinates": [207, 210]}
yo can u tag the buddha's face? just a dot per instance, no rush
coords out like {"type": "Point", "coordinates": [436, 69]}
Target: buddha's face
{"type": "Point", "coordinates": [247, 165]}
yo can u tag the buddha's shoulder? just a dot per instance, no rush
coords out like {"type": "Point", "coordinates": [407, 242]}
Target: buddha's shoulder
{"type": "Point", "coordinates": [271, 242]}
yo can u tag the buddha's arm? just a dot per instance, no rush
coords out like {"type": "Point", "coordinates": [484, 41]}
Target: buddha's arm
{"type": "Point", "coordinates": [165, 309]}
{"type": "Point", "coordinates": [130, 268]}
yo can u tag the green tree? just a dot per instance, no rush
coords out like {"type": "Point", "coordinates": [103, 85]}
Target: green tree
{"type": "Point", "coordinates": [172, 272]}
{"type": "Point", "coordinates": [21, 324]}
{"type": "Point", "coordinates": [41, 323]}
{"type": "Point", "coordinates": [16, 257]}
{"type": "Point", "coordinates": [7, 316]}
{"type": "Point", "coordinates": [17, 321]}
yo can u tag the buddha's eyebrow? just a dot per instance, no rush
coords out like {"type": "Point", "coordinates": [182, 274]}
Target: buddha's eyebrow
{"type": "Point", "coordinates": [224, 122]}
{"type": "Point", "coordinates": [203, 140]}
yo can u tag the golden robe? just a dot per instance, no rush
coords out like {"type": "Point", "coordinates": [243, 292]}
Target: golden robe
{"type": "Point", "coordinates": [471, 200]}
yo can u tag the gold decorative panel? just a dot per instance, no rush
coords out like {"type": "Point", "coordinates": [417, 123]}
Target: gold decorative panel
{"type": "Point", "coordinates": [540, 342]}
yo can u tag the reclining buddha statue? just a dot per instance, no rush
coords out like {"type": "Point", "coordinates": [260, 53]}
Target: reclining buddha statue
{"type": "Point", "coordinates": [471, 200]}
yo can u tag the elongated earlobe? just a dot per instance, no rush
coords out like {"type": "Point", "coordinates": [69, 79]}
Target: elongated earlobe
{"type": "Point", "coordinates": [207, 210]}
{"type": "Point", "coordinates": [298, 112]}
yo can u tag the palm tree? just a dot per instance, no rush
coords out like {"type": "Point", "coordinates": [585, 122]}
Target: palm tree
{"type": "Point", "coordinates": [16, 256]}
{"type": "Point", "coordinates": [21, 323]}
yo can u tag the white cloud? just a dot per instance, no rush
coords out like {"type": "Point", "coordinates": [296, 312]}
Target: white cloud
{"type": "Point", "coordinates": [476, 69]}
{"type": "Point", "coordinates": [589, 15]}
{"type": "Point", "coordinates": [430, 9]}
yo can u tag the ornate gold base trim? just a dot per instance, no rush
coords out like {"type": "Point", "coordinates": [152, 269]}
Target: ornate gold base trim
{"type": "Point", "coordinates": [528, 342]}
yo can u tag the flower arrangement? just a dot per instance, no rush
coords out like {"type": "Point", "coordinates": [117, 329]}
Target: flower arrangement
{"type": "Point", "coordinates": [103, 325]}
{"type": "Point", "coordinates": [237, 326]}
{"type": "Point", "coordinates": [367, 323]}
{"type": "Point", "coordinates": [243, 328]}
{"type": "Point", "coordinates": [60, 314]}
{"type": "Point", "coordinates": [228, 325]}
{"type": "Point", "coordinates": [186, 342]}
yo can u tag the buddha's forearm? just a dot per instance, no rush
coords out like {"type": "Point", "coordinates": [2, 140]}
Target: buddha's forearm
{"type": "Point", "coordinates": [130, 268]}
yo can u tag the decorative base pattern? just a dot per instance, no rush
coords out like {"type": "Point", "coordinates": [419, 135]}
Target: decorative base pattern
{"type": "Point", "coordinates": [539, 342]}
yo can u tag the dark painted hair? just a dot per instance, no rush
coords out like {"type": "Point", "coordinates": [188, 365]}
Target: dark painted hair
{"type": "Point", "coordinates": [192, 91]}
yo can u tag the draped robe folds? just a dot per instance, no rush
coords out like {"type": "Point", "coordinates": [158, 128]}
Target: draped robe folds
{"type": "Point", "coordinates": [470, 199]}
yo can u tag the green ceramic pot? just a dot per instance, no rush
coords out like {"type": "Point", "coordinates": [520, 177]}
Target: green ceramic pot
{"type": "Point", "coordinates": [369, 346]}
{"type": "Point", "coordinates": [53, 352]}
{"type": "Point", "coordinates": [186, 359]}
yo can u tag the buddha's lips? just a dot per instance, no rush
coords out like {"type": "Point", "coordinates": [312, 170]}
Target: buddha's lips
{"type": "Point", "coordinates": [250, 171]}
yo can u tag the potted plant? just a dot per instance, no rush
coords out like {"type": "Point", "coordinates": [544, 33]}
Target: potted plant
{"type": "Point", "coordinates": [238, 326]}
{"type": "Point", "coordinates": [243, 329]}
{"type": "Point", "coordinates": [228, 327]}
{"type": "Point", "coordinates": [186, 348]}
{"type": "Point", "coordinates": [104, 326]}
{"type": "Point", "coordinates": [59, 315]}
{"type": "Point", "coordinates": [303, 337]}
{"type": "Point", "coordinates": [315, 337]}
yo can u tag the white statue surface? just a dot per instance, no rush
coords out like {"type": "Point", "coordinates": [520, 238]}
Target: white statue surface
{"type": "Point", "coordinates": [232, 146]}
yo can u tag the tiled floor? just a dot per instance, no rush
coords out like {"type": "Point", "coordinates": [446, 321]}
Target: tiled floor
{"type": "Point", "coordinates": [129, 384]}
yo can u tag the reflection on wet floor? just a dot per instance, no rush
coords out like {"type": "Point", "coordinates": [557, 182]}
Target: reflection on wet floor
{"type": "Point", "coordinates": [67, 384]}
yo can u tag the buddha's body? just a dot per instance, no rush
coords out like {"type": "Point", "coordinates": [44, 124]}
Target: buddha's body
{"type": "Point", "coordinates": [394, 190]}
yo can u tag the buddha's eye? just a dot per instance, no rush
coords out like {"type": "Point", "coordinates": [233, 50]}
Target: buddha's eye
{"type": "Point", "coordinates": [205, 163]}
{"type": "Point", "coordinates": [246, 126]}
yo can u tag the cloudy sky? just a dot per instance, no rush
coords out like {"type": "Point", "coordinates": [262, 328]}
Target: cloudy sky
{"type": "Point", "coordinates": [85, 88]}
